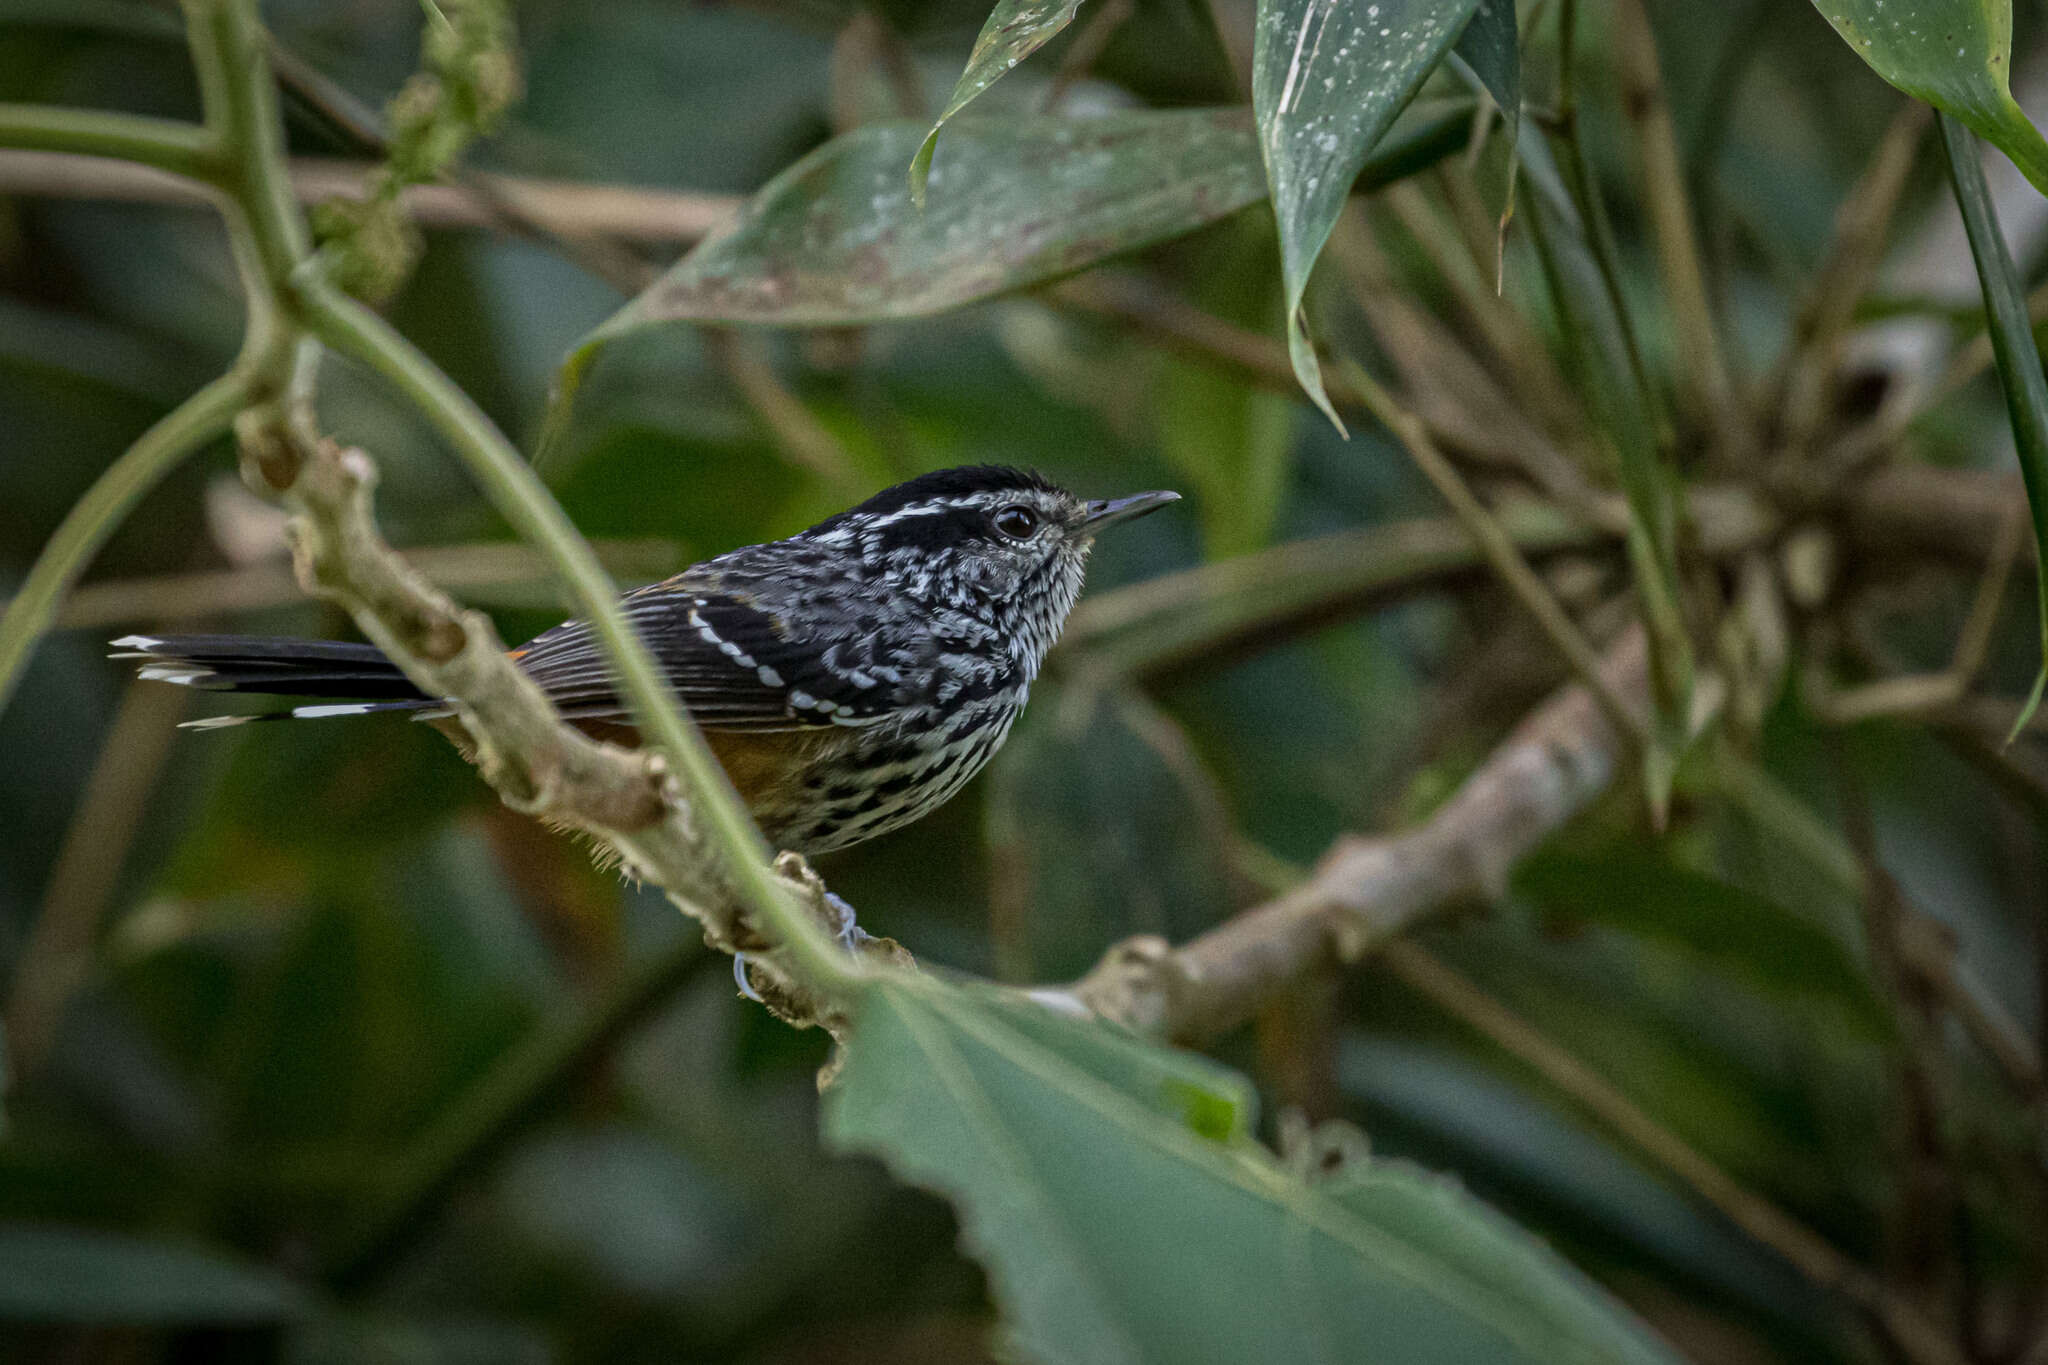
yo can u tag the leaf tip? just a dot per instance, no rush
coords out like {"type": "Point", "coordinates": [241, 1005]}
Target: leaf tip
{"type": "Point", "coordinates": [2029, 707]}
{"type": "Point", "coordinates": [921, 168]}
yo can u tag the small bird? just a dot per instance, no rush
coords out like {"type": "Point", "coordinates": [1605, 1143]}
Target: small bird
{"type": "Point", "coordinates": [850, 679]}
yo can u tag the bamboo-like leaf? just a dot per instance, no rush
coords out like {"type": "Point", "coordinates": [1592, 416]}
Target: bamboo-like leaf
{"type": "Point", "coordinates": [1954, 54]}
{"type": "Point", "coordinates": [835, 240]}
{"type": "Point", "coordinates": [1125, 1217]}
{"type": "Point", "coordinates": [1015, 29]}
{"type": "Point", "coordinates": [1327, 81]}
{"type": "Point", "coordinates": [2019, 363]}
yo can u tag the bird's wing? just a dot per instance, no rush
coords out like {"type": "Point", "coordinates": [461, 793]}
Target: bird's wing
{"type": "Point", "coordinates": [735, 662]}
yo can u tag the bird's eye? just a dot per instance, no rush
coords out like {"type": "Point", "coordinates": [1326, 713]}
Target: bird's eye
{"type": "Point", "coordinates": [1017, 522]}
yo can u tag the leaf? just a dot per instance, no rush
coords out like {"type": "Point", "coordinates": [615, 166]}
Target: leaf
{"type": "Point", "coordinates": [834, 240]}
{"type": "Point", "coordinates": [2019, 362]}
{"type": "Point", "coordinates": [1954, 54]}
{"type": "Point", "coordinates": [1015, 29]}
{"type": "Point", "coordinates": [62, 1274]}
{"type": "Point", "coordinates": [1118, 1228]}
{"type": "Point", "coordinates": [1327, 82]}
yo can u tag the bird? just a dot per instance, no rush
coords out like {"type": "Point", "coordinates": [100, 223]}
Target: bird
{"type": "Point", "coordinates": [850, 678]}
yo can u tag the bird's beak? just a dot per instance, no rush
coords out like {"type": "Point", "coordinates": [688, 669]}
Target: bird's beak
{"type": "Point", "coordinates": [1109, 511]}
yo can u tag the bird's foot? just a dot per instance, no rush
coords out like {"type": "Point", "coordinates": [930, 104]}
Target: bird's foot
{"type": "Point", "coordinates": [849, 933]}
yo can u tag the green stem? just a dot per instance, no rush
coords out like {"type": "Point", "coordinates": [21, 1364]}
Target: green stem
{"type": "Point", "coordinates": [193, 423]}
{"type": "Point", "coordinates": [2019, 363]}
{"type": "Point", "coordinates": [230, 54]}
{"type": "Point", "coordinates": [180, 148]}
{"type": "Point", "coordinates": [525, 502]}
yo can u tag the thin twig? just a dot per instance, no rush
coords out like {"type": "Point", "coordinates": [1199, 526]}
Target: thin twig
{"type": "Point", "coordinates": [60, 949]}
{"type": "Point", "coordinates": [1507, 332]}
{"type": "Point", "coordinates": [625, 213]}
{"type": "Point", "coordinates": [1925, 694]}
{"type": "Point", "coordinates": [1704, 376]}
{"type": "Point", "coordinates": [1446, 383]}
{"type": "Point", "coordinates": [1216, 612]}
{"type": "Point", "coordinates": [1861, 226]}
{"type": "Point", "coordinates": [1585, 191]}
{"type": "Point", "coordinates": [1500, 550]}
{"type": "Point", "coordinates": [169, 598]}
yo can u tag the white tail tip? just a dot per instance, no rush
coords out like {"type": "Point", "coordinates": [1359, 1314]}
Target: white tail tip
{"type": "Point", "coordinates": [214, 722]}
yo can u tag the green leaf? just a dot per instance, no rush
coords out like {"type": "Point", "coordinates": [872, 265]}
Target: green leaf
{"type": "Point", "coordinates": [1015, 29]}
{"type": "Point", "coordinates": [1117, 1228]}
{"type": "Point", "coordinates": [62, 1274]}
{"type": "Point", "coordinates": [1954, 54]}
{"type": "Point", "coordinates": [1326, 84]}
{"type": "Point", "coordinates": [2019, 362]}
{"type": "Point", "coordinates": [834, 239]}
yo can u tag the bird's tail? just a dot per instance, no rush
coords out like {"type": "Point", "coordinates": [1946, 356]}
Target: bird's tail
{"type": "Point", "coordinates": [280, 668]}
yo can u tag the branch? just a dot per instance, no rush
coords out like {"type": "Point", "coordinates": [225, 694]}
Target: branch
{"type": "Point", "coordinates": [571, 208]}
{"type": "Point", "coordinates": [1368, 890]}
{"type": "Point", "coordinates": [87, 135]}
{"type": "Point", "coordinates": [628, 799]}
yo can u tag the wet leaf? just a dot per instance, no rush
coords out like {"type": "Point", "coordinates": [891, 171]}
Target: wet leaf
{"type": "Point", "coordinates": [1956, 55]}
{"type": "Point", "coordinates": [1121, 1222]}
{"type": "Point", "coordinates": [1015, 29]}
{"type": "Point", "coordinates": [1327, 82]}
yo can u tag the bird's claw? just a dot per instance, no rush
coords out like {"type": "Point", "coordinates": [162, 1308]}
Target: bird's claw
{"type": "Point", "coordinates": [849, 933]}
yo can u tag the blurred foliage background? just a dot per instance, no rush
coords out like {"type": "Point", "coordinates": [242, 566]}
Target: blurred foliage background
{"type": "Point", "coordinates": [359, 1065]}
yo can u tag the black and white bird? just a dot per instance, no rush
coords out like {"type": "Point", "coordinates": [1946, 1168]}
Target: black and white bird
{"type": "Point", "coordinates": [850, 678]}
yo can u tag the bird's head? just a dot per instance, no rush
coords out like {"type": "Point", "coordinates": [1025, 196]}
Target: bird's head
{"type": "Point", "coordinates": [1007, 545]}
